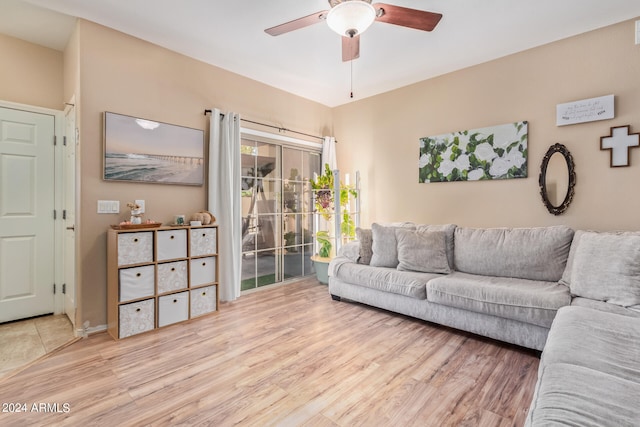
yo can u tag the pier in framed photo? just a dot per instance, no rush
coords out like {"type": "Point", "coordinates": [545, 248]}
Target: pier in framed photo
{"type": "Point", "coordinates": [141, 150]}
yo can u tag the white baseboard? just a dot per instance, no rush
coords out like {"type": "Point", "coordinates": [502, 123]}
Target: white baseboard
{"type": "Point", "coordinates": [85, 332]}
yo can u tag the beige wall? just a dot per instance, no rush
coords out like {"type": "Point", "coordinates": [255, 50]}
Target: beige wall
{"type": "Point", "coordinates": [379, 136]}
{"type": "Point", "coordinates": [126, 75]}
{"type": "Point", "coordinates": [30, 74]}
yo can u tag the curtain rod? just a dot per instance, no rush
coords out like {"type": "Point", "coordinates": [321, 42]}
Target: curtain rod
{"type": "Point", "coordinates": [280, 129]}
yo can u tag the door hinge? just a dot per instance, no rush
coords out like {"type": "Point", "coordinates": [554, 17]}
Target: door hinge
{"type": "Point", "coordinates": [54, 288]}
{"type": "Point", "coordinates": [64, 140]}
{"type": "Point", "coordinates": [64, 214]}
{"type": "Point", "coordinates": [64, 288]}
{"type": "Point", "coordinates": [55, 214]}
{"type": "Point", "coordinates": [55, 139]}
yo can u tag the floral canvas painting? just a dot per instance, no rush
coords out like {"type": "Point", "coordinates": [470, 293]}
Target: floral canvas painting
{"type": "Point", "coordinates": [496, 152]}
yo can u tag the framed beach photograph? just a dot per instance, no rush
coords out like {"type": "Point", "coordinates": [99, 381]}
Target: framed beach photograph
{"type": "Point", "coordinates": [141, 150]}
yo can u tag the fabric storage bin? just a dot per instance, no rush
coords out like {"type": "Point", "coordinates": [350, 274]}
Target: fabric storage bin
{"type": "Point", "coordinates": [203, 271]}
{"type": "Point", "coordinates": [172, 276]}
{"type": "Point", "coordinates": [136, 282]}
{"type": "Point", "coordinates": [203, 300]}
{"type": "Point", "coordinates": [136, 317]}
{"type": "Point", "coordinates": [172, 244]}
{"type": "Point", "coordinates": [135, 248]}
{"type": "Point", "coordinates": [203, 241]}
{"type": "Point", "coordinates": [173, 308]}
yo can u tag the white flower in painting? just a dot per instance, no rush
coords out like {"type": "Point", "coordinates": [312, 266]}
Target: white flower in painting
{"type": "Point", "coordinates": [425, 159]}
{"type": "Point", "coordinates": [447, 153]}
{"type": "Point", "coordinates": [505, 135]}
{"type": "Point", "coordinates": [446, 167]}
{"type": "Point", "coordinates": [484, 152]}
{"type": "Point", "coordinates": [475, 174]}
{"type": "Point", "coordinates": [422, 143]}
{"type": "Point", "coordinates": [462, 162]}
{"type": "Point", "coordinates": [516, 158]}
{"type": "Point", "coordinates": [499, 167]}
{"type": "Point", "coordinates": [463, 141]}
{"type": "Point", "coordinates": [440, 141]}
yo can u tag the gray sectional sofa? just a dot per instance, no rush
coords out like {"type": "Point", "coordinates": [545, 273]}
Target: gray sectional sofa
{"type": "Point", "coordinates": [576, 296]}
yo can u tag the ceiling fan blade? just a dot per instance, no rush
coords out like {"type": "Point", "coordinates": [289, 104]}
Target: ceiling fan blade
{"type": "Point", "coordinates": [350, 48]}
{"type": "Point", "coordinates": [296, 24]}
{"type": "Point", "coordinates": [412, 18]}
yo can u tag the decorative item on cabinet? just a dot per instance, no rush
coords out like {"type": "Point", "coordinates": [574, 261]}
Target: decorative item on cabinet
{"type": "Point", "coordinates": [159, 277]}
{"type": "Point", "coordinates": [204, 217]}
{"type": "Point", "coordinates": [135, 220]}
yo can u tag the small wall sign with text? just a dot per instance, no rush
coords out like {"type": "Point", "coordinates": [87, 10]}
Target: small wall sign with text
{"type": "Point", "coordinates": [586, 110]}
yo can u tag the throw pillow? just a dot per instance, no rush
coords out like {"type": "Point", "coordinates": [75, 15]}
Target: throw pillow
{"type": "Point", "coordinates": [449, 230]}
{"type": "Point", "coordinates": [365, 237]}
{"type": "Point", "coordinates": [424, 251]}
{"type": "Point", "coordinates": [606, 267]}
{"type": "Point", "coordinates": [384, 246]}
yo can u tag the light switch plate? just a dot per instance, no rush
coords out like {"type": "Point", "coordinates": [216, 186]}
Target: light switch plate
{"type": "Point", "coordinates": [108, 206]}
{"type": "Point", "coordinates": [141, 204]}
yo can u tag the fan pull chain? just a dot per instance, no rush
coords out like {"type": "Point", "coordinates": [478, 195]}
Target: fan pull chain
{"type": "Point", "coordinates": [351, 63]}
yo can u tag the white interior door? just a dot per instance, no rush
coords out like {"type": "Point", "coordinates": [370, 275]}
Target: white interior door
{"type": "Point", "coordinates": [27, 263]}
{"type": "Point", "coordinates": [69, 215]}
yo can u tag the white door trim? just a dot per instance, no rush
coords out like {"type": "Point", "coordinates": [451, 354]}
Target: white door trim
{"type": "Point", "coordinates": [70, 203]}
{"type": "Point", "coordinates": [58, 116]}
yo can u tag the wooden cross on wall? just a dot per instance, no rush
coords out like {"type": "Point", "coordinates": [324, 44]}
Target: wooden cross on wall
{"type": "Point", "coordinates": [620, 142]}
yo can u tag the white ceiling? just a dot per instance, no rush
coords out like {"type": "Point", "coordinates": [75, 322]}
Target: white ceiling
{"type": "Point", "coordinates": [307, 62]}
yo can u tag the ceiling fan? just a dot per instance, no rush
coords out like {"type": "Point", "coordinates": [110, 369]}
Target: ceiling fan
{"type": "Point", "coordinates": [350, 18]}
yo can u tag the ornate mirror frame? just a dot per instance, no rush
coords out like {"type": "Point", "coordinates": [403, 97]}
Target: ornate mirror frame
{"type": "Point", "coordinates": [557, 148]}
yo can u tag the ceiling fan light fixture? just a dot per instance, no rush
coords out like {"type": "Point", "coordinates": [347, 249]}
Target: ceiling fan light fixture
{"type": "Point", "coordinates": [351, 17]}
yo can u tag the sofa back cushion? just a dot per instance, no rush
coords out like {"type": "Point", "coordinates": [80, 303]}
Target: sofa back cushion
{"type": "Point", "coordinates": [526, 253]}
{"type": "Point", "coordinates": [424, 251]}
{"type": "Point", "coordinates": [606, 267]}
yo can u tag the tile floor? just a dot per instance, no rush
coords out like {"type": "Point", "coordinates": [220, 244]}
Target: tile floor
{"type": "Point", "coordinates": [24, 341]}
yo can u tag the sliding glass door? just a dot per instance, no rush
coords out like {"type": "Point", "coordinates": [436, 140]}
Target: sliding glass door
{"type": "Point", "coordinates": [277, 225]}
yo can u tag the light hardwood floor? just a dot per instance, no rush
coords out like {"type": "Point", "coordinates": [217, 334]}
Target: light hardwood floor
{"type": "Point", "coordinates": [285, 356]}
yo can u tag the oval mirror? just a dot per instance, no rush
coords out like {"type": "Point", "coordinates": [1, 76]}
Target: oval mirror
{"type": "Point", "coordinates": [557, 179]}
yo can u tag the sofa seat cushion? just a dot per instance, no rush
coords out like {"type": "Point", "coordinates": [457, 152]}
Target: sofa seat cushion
{"type": "Point", "coordinates": [524, 300]}
{"type": "Point", "coordinates": [594, 339]}
{"type": "Point", "coordinates": [526, 253]}
{"type": "Point", "coordinates": [571, 395]}
{"type": "Point", "coordinates": [408, 283]}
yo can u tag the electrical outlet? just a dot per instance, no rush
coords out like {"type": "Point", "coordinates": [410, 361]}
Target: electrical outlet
{"type": "Point", "coordinates": [141, 204]}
